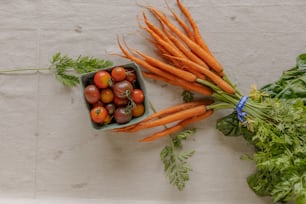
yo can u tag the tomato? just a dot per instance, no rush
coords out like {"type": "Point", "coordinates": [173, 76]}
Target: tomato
{"type": "Point", "coordinates": [102, 79]}
{"type": "Point", "coordinates": [107, 95]}
{"type": "Point", "coordinates": [122, 89]}
{"type": "Point", "coordinates": [108, 119]}
{"type": "Point", "coordinates": [118, 73]}
{"type": "Point", "coordinates": [121, 101]}
{"type": "Point", "coordinates": [131, 75]}
{"type": "Point", "coordinates": [137, 96]}
{"type": "Point", "coordinates": [98, 104]}
{"type": "Point", "coordinates": [98, 114]}
{"type": "Point", "coordinates": [110, 107]}
{"type": "Point", "coordinates": [138, 110]}
{"type": "Point", "coordinates": [122, 115]}
{"type": "Point", "coordinates": [92, 94]}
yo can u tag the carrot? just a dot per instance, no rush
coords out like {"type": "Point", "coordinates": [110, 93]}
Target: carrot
{"type": "Point", "coordinates": [185, 50]}
{"type": "Point", "coordinates": [143, 63]}
{"type": "Point", "coordinates": [162, 133]}
{"type": "Point", "coordinates": [165, 54]}
{"type": "Point", "coordinates": [177, 108]}
{"type": "Point", "coordinates": [203, 54]}
{"type": "Point", "coordinates": [155, 29]}
{"type": "Point", "coordinates": [167, 45]}
{"type": "Point", "coordinates": [184, 84]}
{"type": "Point", "coordinates": [181, 23]}
{"type": "Point", "coordinates": [165, 75]}
{"type": "Point", "coordinates": [211, 75]}
{"type": "Point", "coordinates": [197, 36]}
{"type": "Point", "coordinates": [194, 111]}
{"type": "Point", "coordinates": [167, 111]}
{"type": "Point", "coordinates": [168, 68]}
{"type": "Point", "coordinates": [176, 127]}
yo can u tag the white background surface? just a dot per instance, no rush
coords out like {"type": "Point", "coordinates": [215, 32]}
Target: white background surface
{"type": "Point", "coordinates": [50, 153]}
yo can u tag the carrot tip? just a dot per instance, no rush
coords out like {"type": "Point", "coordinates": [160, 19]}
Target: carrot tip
{"type": "Point", "coordinates": [146, 139]}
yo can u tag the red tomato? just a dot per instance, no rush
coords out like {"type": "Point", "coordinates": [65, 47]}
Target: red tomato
{"type": "Point", "coordinates": [122, 115]}
{"type": "Point", "coordinates": [131, 75]}
{"type": "Point", "coordinates": [98, 114]}
{"type": "Point", "coordinates": [122, 89]}
{"type": "Point", "coordinates": [137, 96]}
{"type": "Point", "coordinates": [138, 110]}
{"type": "Point", "coordinates": [92, 94]}
{"type": "Point", "coordinates": [118, 73]}
{"type": "Point", "coordinates": [102, 79]}
{"type": "Point", "coordinates": [107, 95]}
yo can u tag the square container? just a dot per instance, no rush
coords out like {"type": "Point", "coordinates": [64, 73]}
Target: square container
{"type": "Point", "coordinates": [87, 79]}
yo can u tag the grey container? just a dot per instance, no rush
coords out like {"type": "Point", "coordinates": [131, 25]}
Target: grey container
{"type": "Point", "coordinates": [87, 79]}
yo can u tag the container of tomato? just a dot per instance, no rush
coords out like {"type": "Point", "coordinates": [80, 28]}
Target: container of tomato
{"type": "Point", "coordinates": [115, 97]}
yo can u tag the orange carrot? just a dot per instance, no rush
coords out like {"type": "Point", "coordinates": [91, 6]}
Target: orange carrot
{"type": "Point", "coordinates": [184, 84]}
{"type": "Point", "coordinates": [181, 23]}
{"type": "Point", "coordinates": [211, 75]}
{"type": "Point", "coordinates": [177, 108]}
{"type": "Point", "coordinates": [168, 68]}
{"type": "Point", "coordinates": [167, 111]}
{"type": "Point", "coordinates": [194, 111]}
{"type": "Point", "coordinates": [168, 77]}
{"type": "Point", "coordinates": [143, 63]}
{"type": "Point", "coordinates": [177, 127]}
{"type": "Point", "coordinates": [165, 54]}
{"type": "Point", "coordinates": [197, 36]}
{"type": "Point", "coordinates": [203, 54]}
{"type": "Point", "coordinates": [185, 50]}
{"type": "Point", "coordinates": [167, 45]}
{"type": "Point", "coordinates": [155, 29]}
{"type": "Point", "coordinates": [162, 133]}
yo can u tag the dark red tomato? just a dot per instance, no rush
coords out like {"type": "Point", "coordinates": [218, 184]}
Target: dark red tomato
{"type": "Point", "coordinates": [102, 79]}
{"type": "Point", "coordinates": [122, 115]}
{"type": "Point", "coordinates": [92, 94]}
{"type": "Point", "coordinates": [121, 101]}
{"type": "Point", "coordinates": [118, 73]}
{"type": "Point", "coordinates": [122, 89]}
{"type": "Point", "coordinates": [98, 114]}
{"type": "Point", "coordinates": [137, 96]}
{"type": "Point", "coordinates": [131, 75]}
{"type": "Point", "coordinates": [110, 107]}
{"type": "Point", "coordinates": [99, 103]}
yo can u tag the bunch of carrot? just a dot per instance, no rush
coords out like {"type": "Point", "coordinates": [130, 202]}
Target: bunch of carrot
{"type": "Point", "coordinates": [184, 60]}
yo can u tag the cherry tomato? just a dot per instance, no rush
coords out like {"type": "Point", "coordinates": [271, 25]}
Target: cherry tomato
{"type": "Point", "coordinates": [92, 94]}
{"type": "Point", "coordinates": [122, 89]}
{"type": "Point", "coordinates": [98, 104]}
{"type": "Point", "coordinates": [122, 115]}
{"type": "Point", "coordinates": [138, 110]}
{"type": "Point", "coordinates": [137, 96]}
{"type": "Point", "coordinates": [118, 73]}
{"type": "Point", "coordinates": [107, 95]}
{"type": "Point", "coordinates": [98, 114]}
{"type": "Point", "coordinates": [102, 79]}
{"type": "Point", "coordinates": [131, 75]}
{"type": "Point", "coordinates": [110, 107]}
{"type": "Point", "coordinates": [108, 119]}
{"type": "Point", "coordinates": [121, 101]}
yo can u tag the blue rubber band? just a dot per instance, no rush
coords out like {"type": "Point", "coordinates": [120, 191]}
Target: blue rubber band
{"type": "Point", "coordinates": [240, 114]}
